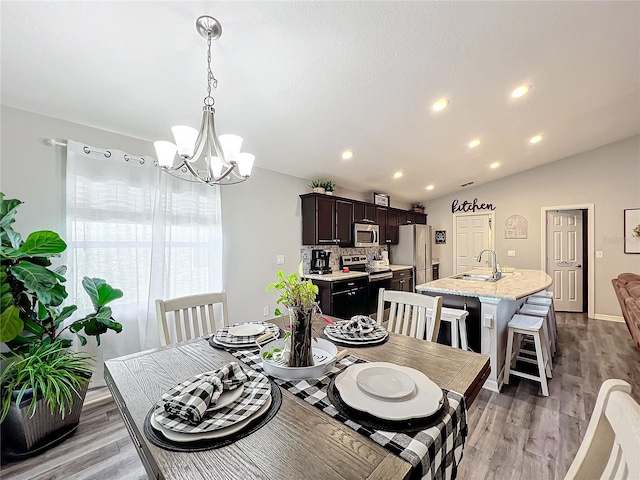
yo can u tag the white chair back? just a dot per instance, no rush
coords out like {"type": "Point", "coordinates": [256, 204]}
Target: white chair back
{"type": "Point", "coordinates": [611, 445]}
{"type": "Point", "coordinates": [411, 314]}
{"type": "Point", "coordinates": [185, 318]}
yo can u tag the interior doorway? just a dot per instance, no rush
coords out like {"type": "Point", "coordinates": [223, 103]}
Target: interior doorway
{"type": "Point", "coordinates": [566, 262]}
{"type": "Point", "coordinates": [567, 255]}
{"type": "Point", "coordinates": [472, 233]}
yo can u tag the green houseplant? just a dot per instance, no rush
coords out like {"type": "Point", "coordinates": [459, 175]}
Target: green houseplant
{"type": "Point", "coordinates": [42, 379]}
{"type": "Point", "coordinates": [329, 187]}
{"type": "Point", "coordinates": [317, 186]}
{"type": "Point", "coordinates": [299, 296]}
{"type": "Point", "coordinates": [418, 208]}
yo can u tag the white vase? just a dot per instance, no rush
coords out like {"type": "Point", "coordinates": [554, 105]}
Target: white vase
{"type": "Point", "coordinates": [318, 190]}
{"type": "Point", "coordinates": [328, 193]}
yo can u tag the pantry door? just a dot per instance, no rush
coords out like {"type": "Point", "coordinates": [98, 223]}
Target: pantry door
{"type": "Point", "coordinates": [472, 234]}
{"type": "Point", "coordinates": [565, 259]}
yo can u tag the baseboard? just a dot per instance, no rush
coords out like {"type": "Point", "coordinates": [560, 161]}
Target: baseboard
{"type": "Point", "coordinates": [97, 397]}
{"type": "Point", "coordinates": [492, 386]}
{"type": "Point", "coordinates": [608, 318]}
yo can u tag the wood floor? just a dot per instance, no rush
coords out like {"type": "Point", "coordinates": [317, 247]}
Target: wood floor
{"type": "Point", "coordinates": [516, 434]}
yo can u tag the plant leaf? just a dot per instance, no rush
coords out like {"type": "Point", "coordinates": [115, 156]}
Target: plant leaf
{"type": "Point", "coordinates": [54, 296]}
{"type": "Point", "coordinates": [43, 243]}
{"type": "Point", "coordinates": [10, 323]}
{"type": "Point", "coordinates": [106, 293]}
{"type": "Point", "coordinates": [35, 278]}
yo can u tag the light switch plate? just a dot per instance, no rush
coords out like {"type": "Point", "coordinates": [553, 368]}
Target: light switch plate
{"type": "Point", "coordinates": [511, 253]}
{"type": "Point", "coordinates": [599, 254]}
{"type": "Point", "coordinates": [280, 260]}
{"type": "Point", "coordinates": [488, 321]}
{"type": "Point", "coordinates": [266, 311]}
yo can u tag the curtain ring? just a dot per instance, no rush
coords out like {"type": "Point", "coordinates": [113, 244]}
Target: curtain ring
{"type": "Point", "coordinates": [107, 154]}
{"type": "Point", "coordinates": [86, 150]}
{"type": "Point", "coordinates": [126, 157]}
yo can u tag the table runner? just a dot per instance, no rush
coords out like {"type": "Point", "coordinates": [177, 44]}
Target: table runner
{"type": "Point", "coordinates": [434, 452]}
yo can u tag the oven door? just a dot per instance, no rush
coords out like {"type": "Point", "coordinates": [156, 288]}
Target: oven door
{"type": "Point", "coordinates": [376, 282]}
{"type": "Point", "coordinates": [365, 235]}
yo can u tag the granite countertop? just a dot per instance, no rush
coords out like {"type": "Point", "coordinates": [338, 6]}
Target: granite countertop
{"type": "Point", "coordinates": [512, 286]}
{"type": "Point", "coordinates": [395, 268]}
{"type": "Point", "coordinates": [335, 276]}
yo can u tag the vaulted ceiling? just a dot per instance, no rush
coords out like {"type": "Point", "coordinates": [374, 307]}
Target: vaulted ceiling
{"type": "Point", "coordinates": [303, 81]}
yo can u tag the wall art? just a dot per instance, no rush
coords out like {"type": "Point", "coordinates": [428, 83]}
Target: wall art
{"type": "Point", "coordinates": [632, 230]}
{"type": "Point", "coordinates": [515, 227]}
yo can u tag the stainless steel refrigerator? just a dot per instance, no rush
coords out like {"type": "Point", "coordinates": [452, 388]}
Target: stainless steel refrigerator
{"type": "Point", "coordinates": [414, 248]}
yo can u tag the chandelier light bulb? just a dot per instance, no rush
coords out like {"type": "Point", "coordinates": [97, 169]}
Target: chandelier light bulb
{"type": "Point", "coordinates": [166, 152]}
{"type": "Point", "coordinates": [185, 138]}
{"type": "Point", "coordinates": [245, 163]}
{"type": "Point", "coordinates": [231, 145]}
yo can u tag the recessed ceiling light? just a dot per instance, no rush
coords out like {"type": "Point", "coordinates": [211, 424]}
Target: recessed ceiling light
{"type": "Point", "coordinates": [347, 155]}
{"type": "Point", "coordinates": [521, 91]}
{"type": "Point", "coordinates": [430, 187]}
{"type": "Point", "coordinates": [440, 105]}
{"type": "Point", "coordinates": [494, 165]}
{"type": "Point", "coordinates": [535, 139]}
{"type": "Point", "coordinates": [397, 175]}
{"type": "Point", "coordinates": [474, 143]}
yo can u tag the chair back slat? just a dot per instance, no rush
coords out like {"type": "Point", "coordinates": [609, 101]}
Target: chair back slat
{"type": "Point", "coordinates": [408, 313]}
{"type": "Point", "coordinates": [189, 317]}
{"type": "Point", "coordinates": [611, 445]}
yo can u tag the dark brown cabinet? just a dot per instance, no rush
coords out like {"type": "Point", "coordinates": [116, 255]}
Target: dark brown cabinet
{"type": "Point", "coordinates": [326, 221]}
{"type": "Point", "coordinates": [402, 280]}
{"type": "Point", "coordinates": [343, 299]}
{"type": "Point", "coordinates": [364, 213]}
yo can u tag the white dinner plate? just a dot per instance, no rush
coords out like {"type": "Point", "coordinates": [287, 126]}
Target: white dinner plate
{"type": "Point", "coordinates": [226, 398]}
{"type": "Point", "coordinates": [246, 330]}
{"type": "Point", "coordinates": [356, 342]}
{"type": "Point", "coordinates": [223, 432]}
{"type": "Point", "coordinates": [385, 382]}
{"type": "Point", "coordinates": [235, 345]}
{"type": "Point", "coordinates": [425, 402]}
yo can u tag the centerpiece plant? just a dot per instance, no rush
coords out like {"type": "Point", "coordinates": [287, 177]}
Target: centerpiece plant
{"type": "Point", "coordinates": [39, 364]}
{"type": "Point", "coordinates": [299, 296]}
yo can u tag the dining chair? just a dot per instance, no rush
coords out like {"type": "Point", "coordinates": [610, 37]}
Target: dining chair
{"type": "Point", "coordinates": [411, 314]}
{"type": "Point", "coordinates": [611, 445]}
{"type": "Point", "coordinates": [184, 318]}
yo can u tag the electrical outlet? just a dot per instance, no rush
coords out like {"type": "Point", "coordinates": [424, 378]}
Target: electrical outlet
{"type": "Point", "coordinates": [511, 253]}
{"type": "Point", "coordinates": [599, 254]}
{"type": "Point", "coordinates": [266, 311]}
{"type": "Point", "coordinates": [280, 260]}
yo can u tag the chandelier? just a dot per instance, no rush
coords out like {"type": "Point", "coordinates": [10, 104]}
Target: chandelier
{"type": "Point", "coordinates": [208, 158]}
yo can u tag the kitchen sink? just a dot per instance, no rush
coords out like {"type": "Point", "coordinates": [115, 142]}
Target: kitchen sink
{"type": "Point", "coordinates": [475, 277]}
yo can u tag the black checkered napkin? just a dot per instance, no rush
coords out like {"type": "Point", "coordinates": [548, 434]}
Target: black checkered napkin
{"type": "Point", "coordinates": [336, 332]}
{"type": "Point", "coordinates": [256, 391]}
{"type": "Point", "coordinates": [223, 335]}
{"type": "Point", "coordinates": [196, 397]}
{"type": "Point", "coordinates": [358, 324]}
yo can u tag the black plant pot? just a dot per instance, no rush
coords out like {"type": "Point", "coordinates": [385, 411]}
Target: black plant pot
{"type": "Point", "coordinates": [24, 435]}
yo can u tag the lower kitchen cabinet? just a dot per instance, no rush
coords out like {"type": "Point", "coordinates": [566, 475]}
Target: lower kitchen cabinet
{"type": "Point", "coordinates": [343, 299]}
{"type": "Point", "coordinates": [402, 280]}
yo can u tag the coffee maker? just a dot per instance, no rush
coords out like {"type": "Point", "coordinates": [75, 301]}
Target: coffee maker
{"type": "Point", "coordinates": [320, 261]}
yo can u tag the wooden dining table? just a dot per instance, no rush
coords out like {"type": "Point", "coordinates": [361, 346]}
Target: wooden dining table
{"type": "Point", "coordinates": [301, 441]}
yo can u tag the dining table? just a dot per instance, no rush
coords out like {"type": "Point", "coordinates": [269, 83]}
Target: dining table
{"type": "Point", "coordinates": [300, 441]}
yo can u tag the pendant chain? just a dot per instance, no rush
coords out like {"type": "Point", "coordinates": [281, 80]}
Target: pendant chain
{"type": "Point", "coordinates": [212, 82]}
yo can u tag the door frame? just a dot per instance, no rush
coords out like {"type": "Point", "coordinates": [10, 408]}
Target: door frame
{"type": "Point", "coordinates": [492, 236]}
{"type": "Point", "coordinates": [591, 236]}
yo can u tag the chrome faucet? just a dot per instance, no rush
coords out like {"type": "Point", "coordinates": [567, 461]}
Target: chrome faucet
{"type": "Point", "coordinates": [495, 274]}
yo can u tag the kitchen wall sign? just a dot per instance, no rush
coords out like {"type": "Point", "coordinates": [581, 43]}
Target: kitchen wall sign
{"type": "Point", "coordinates": [470, 206]}
{"type": "Point", "coordinates": [441, 236]}
{"type": "Point", "coordinates": [515, 227]}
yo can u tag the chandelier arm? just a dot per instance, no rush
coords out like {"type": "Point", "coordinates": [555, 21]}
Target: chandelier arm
{"type": "Point", "coordinates": [213, 137]}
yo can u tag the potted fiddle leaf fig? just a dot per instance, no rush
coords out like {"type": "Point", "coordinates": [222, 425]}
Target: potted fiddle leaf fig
{"type": "Point", "coordinates": [44, 381]}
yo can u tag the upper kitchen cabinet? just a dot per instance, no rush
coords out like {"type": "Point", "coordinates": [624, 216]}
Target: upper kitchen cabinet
{"type": "Point", "coordinates": [365, 213]}
{"type": "Point", "coordinates": [410, 218]}
{"type": "Point", "coordinates": [326, 220]}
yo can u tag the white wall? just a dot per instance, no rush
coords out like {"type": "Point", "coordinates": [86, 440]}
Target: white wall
{"type": "Point", "coordinates": [608, 177]}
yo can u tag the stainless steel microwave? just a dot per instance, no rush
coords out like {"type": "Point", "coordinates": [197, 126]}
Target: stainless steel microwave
{"type": "Point", "coordinates": [365, 235]}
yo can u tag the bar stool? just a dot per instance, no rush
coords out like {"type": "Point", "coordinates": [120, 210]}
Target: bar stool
{"type": "Point", "coordinates": [546, 298]}
{"type": "Point", "coordinates": [545, 312]}
{"type": "Point", "coordinates": [528, 325]}
{"type": "Point", "coordinates": [458, 320]}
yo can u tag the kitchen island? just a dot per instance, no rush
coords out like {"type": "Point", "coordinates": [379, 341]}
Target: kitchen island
{"type": "Point", "coordinates": [498, 302]}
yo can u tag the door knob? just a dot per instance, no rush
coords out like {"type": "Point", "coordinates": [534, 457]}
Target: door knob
{"type": "Point", "coordinates": [578, 266]}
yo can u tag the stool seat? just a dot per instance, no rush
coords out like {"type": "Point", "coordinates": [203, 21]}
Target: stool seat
{"type": "Point", "coordinates": [543, 294]}
{"type": "Point", "coordinates": [533, 309]}
{"type": "Point", "coordinates": [540, 301]}
{"type": "Point", "coordinates": [526, 322]}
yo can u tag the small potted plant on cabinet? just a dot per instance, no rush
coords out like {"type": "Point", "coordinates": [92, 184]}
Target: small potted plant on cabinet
{"type": "Point", "coordinates": [417, 208]}
{"type": "Point", "coordinates": [44, 381]}
{"type": "Point", "coordinates": [329, 187]}
{"type": "Point", "coordinates": [317, 186]}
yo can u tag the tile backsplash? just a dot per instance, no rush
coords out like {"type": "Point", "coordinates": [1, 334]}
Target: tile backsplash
{"type": "Point", "coordinates": [336, 253]}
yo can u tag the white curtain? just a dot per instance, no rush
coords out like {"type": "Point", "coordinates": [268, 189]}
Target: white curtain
{"type": "Point", "coordinates": [147, 233]}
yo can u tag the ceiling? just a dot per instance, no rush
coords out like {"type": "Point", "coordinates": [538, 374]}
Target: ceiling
{"type": "Point", "coordinates": [303, 81]}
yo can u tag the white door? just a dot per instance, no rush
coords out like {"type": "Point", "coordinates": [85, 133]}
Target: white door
{"type": "Point", "coordinates": [565, 258]}
{"type": "Point", "coordinates": [473, 233]}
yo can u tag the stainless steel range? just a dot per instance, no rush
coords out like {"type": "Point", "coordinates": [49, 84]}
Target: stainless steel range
{"type": "Point", "coordinates": [380, 274]}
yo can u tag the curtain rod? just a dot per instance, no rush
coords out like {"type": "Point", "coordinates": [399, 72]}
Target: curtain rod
{"type": "Point", "coordinates": [53, 142]}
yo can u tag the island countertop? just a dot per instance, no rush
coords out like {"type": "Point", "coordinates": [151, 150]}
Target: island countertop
{"type": "Point", "coordinates": [512, 286]}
